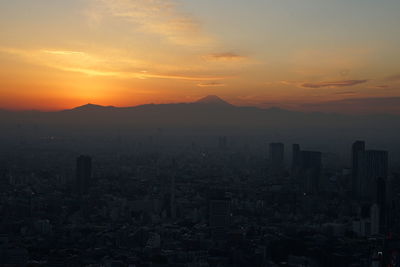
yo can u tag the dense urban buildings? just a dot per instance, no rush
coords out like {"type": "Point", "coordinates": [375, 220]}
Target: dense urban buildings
{"type": "Point", "coordinates": [201, 205]}
{"type": "Point", "coordinates": [199, 133]}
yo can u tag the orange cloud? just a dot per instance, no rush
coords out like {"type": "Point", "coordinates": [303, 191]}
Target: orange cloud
{"type": "Point", "coordinates": [94, 65]}
{"type": "Point", "coordinates": [160, 17]}
{"type": "Point", "coordinates": [211, 84]}
{"type": "Point", "coordinates": [333, 84]}
{"type": "Point", "coordinates": [385, 86]}
{"type": "Point", "coordinates": [226, 56]}
{"type": "Point", "coordinates": [394, 78]}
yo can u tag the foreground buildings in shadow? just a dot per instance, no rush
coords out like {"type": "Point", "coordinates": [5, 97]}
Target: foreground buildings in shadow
{"type": "Point", "coordinates": [200, 206]}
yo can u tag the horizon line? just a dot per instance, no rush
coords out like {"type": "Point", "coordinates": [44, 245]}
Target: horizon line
{"type": "Point", "coordinates": [216, 100]}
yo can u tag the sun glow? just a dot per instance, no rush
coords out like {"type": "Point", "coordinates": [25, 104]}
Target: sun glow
{"type": "Point", "coordinates": [116, 52]}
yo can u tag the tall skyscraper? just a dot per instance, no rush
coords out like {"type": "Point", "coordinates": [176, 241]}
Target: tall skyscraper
{"type": "Point", "coordinates": [372, 165]}
{"type": "Point", "coordinates": [223, 142]}
{"type": "Point", "coordinates": [357, 147]}
{"type": "Point", "coordinates": [83, 174]}
{"type": "Point", "coordinates": [310, 170]}
{"type": "Point", "coordinates": [381, 201]}
{"type": "Point", "coordinates": [295, 157]}
{"type": "Point", "coordinates": [276, 158]}
{"type": "Point", "coordinates": [375, 219]}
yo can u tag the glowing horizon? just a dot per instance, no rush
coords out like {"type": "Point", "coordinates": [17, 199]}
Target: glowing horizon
{"type": "Point", "coordinates": [61, 54]}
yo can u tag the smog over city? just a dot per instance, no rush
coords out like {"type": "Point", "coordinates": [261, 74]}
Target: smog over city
{"type": "Point", "coordinates": [199, 133]}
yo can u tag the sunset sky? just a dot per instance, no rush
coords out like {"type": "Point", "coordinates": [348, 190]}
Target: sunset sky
{"type": "Point", "coordinates": [298, 54]}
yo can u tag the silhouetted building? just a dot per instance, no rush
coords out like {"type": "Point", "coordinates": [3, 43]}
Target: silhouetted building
{"type": "Point", "coordinates": [391, 252]}
{"type": "Point", "coordinates": [223, 142]}
{"type": "Point", "coordinates": [357, 147]}
{"type": "Point", "coordinates": [375, 219]}
{"type": "Point", "coordinates": [83, 174]}
{"type": "Point", "coordinates": [393, 208]}
{"type": "Point", "coordinates": [219, 217]}
{"type": "Point", "coordinates": [295, 157]}
{"type": "Point", "coordinates": [372, 165]}
{"type": "Point", "coordinates": [276, 158]}
{"type": "Point", "coordinates": [310, 170]}
{"type": "Point", "coordinates": [381, 201]}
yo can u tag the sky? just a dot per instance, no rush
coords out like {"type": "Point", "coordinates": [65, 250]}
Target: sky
{"type": "Point", "coordinates": [325, 55]}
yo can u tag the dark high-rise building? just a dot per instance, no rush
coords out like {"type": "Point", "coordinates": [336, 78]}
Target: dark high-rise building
{"type": "Point", "coordinates": [83, 174]}
{"type": "Point", "coordinates": [310, 170]}
{"type": "Point", "coordinates": [393, 200]}
{"type": "Point", "coordinates": [380, 200]}
{"type": "Point", "coordinates": [276, 158]}
{"type": "Point", "coordinates": [372, 165]}
{"type": "Point", "coordinates": [223, 142]}
{"type": "Point", "coordinates": [357, 147]}
{"type": "Point", "coordinates": [295, 157]}
{"type": "Point", "coordinates": [219, 217]}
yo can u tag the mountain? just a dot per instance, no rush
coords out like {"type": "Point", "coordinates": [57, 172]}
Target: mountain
{"type": "Point", "coordinates": [209, 116]}
{"type": "Point", "coordinates": [91, 107]}
{"type": "Point", "coordinates": [213, 100]}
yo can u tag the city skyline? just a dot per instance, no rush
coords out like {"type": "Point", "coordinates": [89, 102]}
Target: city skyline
{"type": "Point", "coordinates": [184, 133]}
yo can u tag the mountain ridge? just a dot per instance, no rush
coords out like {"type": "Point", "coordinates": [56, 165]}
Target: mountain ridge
{"type": "Point", "coordinates": [212, 100]}
{"type": "Point", "coordinates": [213, 117]}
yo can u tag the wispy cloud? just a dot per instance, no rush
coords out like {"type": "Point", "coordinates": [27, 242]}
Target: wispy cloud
{"type": "Point", "coordinates": [64, 53]}
{"type": "Point", "coordinates": [296, 83]}
{"type": "Point", "coordinates": [348, 93]}
{"type": "Point", "coordinates": [211, 84]}
{"type": "Point", "coordinates": [178, 77]}
{"type": "Point", "coordinates": [226, 56]}
{"type": "Point", "coordinates": [333, 84]}
{"type": "Point", "coordinates": [385, 86]}
{"type": "Point", "coordinates": [393, 78]}
{"type": "Point", "coordinates": [93, 65]}
{"type": "Point", "coordinates": [160, 17]}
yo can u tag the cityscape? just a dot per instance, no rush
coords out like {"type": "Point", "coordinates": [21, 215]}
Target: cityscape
{"type": "Point", "coordinates": [203, 205]}
{"type": "Point", "coordinates": [199, 133]}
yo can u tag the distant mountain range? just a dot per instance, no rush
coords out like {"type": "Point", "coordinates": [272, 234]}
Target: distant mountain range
{"type": "Point", "coordinates": [211, 115]}
{"type": "Point", "coordinates": [210, 100]}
